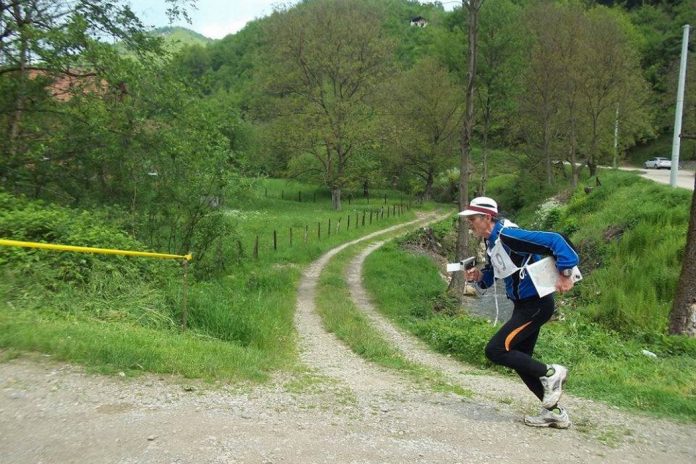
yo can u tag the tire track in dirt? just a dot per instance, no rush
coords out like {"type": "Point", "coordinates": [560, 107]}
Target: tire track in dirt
{"type": "Point", "coordinates": [323, 351]}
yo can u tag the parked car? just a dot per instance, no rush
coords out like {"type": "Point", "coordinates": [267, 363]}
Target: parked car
{"type": "Point", "coordinates": [658, 163]}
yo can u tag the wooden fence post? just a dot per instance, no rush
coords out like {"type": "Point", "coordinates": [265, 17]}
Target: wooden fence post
{"type": "Point", "coordinates": [256, 248]}
{"type": "Point", "coordinates": [363, 219]}
{"type": "Point", "coordinates": [319, 230]}
{"type": "Point", "coordinates": [184, 304]}
{"type": "Point", "coordinates": [329, 231]}
{"type": "Point", "coordinates": [348, 226]}
{"type": "Point", "coordinates": [275, 241]}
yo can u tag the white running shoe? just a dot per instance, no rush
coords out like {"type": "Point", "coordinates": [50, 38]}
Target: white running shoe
{"type": "Point", "coordinates": [553, 385]}
{"type": "Point", "coordinates": [549, 419]}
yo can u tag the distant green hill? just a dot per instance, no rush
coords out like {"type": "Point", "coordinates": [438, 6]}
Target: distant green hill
{"type": "Point", "coordinates": [178, 37]}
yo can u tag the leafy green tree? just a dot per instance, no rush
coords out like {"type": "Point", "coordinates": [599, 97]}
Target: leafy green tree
{"type": "Point", "coordinates": [49, 49]}
{"type": "Point", "coordinates": [424, 110]}
{"type": "Point", "coordinates": [324, 60]}
{"type": "Point", "coordinates": [552, 113]}
{"type": "Point", "coordinates": [88, 124]}
{"type": "Point", "coordinates": [610, 82]}
{"type": "Point", "coordinates": [501, 44]}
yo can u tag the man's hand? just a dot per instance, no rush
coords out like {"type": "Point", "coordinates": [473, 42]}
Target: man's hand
{"type": "Point", "coordinates": [563, 284]}
{"type": "Point", "coordinates": [472, 275]}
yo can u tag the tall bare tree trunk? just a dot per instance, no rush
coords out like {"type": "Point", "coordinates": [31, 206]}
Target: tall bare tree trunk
{"type": "Point", "coordinates": [593, 156]}
{"type": "Point", "coordinates": [20, 100]}
{"type": "Point", "coordinates": [428, 193]}
{"type": "Point", "coordinates": [484, 150]}
{"type": "Point", "coordinates": [547, 152]}
{"type": "Point", "coordinates": [682, 319]}
{"type": "Point", "coordinates": [473, 7]}
{"type": "Point", "coordinates": [336, 198]}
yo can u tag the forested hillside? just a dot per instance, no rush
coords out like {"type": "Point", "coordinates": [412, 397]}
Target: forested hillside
{"type": "Point", "coordinates": [179, 37]}
{"type": "Point", "coordinates": [554, 80]}
{"type": "Point", "coordinates": [361, 98]}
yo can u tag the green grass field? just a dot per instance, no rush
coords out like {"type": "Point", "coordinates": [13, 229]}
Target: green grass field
{"type": "Point", "coordinates": [125, 314]}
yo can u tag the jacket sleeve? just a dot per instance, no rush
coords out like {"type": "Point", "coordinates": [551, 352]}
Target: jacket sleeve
{"type": "Point", "coordinates": [541, 243]}
{"type": "Point", "coordinates": [486, 276]}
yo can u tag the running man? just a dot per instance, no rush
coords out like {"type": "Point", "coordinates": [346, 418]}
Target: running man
{"type": "Point", "coordinates": [509, 250]}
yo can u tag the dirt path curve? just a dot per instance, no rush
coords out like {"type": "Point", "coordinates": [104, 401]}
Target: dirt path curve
{"type": "Point", "coordinates": [647, 436]}
{"type": "Point", "coordinates": [322, 351]}
{"type": "Point", "coordinates": [342, 410]}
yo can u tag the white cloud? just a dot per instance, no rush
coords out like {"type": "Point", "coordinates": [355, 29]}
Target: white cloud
{"type": "Point", "coordinates": [219, 29]}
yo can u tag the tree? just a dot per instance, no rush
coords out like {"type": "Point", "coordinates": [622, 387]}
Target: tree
{"type": "Point", "coordinates": [51, 51]}
{"type": "Point", "coordinates": [424, 108]}
{"type": "Point", "coordinates": [473, 7]}
{"type": "Point", "coordinates": [682, 318]}
{"type": "Point", "coordinates": [610, 78]}
{"type": "Point", "coordinates": [540, 103]}
{"type": "Point", "coordinates": [89, 122]}
{"type": "Point", "coordinates": [324, 62]}
{"type": "Point", "coordinates": [500, 64]}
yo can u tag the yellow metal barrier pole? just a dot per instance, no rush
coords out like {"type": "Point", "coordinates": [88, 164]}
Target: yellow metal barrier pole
{"type": "Point", "coordinates": [108, 251]}
{"type": "Point", "coordinates": [103, 251]}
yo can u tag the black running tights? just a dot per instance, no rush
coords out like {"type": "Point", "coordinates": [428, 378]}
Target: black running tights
{"type": "Point", "coordinates": [513, 345]}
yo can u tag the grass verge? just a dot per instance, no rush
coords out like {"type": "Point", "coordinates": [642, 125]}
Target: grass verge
{"type": "Point", "coordinates": [124, 315]}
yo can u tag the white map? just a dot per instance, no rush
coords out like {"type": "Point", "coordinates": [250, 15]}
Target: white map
{"type": "Point", "coordinates": [544, 275]}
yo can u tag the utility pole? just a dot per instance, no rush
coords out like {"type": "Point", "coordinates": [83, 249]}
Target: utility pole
{"type": "Point", "coordinates": [616, 139]}
{"type": "Point", "coordinates": [679, 109]}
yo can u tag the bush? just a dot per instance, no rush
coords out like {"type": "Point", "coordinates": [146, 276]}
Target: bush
{"type": "Point", "coordinates": [106, 287]}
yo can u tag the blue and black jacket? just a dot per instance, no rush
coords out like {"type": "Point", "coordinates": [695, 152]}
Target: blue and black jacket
{"type": "Point", "coordinates": [519, 245]}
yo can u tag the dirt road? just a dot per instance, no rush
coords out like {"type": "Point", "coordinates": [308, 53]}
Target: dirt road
{"type": "Point", "coordinates": [340, 409]}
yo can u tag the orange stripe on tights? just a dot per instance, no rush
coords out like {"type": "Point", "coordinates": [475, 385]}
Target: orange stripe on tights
{"type": "Point", "coordinates": [512, 334]}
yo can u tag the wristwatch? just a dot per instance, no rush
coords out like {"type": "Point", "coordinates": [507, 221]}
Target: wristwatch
{"type": "Point", "coordinates": [567, 272]}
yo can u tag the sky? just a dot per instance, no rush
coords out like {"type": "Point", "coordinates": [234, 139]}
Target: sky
{"type": "Point", "coordinates": [216, 18]}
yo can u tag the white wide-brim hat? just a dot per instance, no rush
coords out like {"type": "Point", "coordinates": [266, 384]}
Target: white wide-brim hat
{"type": "Point", "coordinates": [481, 205]}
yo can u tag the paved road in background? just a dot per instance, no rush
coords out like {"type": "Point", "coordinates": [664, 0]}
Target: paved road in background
{"type": "Point", "coordinates": [685, 178]}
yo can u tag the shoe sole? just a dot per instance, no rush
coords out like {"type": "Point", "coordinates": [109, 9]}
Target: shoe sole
{"type": "Point", "coordinates": [552, 425]}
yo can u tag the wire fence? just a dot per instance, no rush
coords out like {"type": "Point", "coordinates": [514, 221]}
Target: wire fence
{"type": "Point", "coordinates": [319, 230]}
